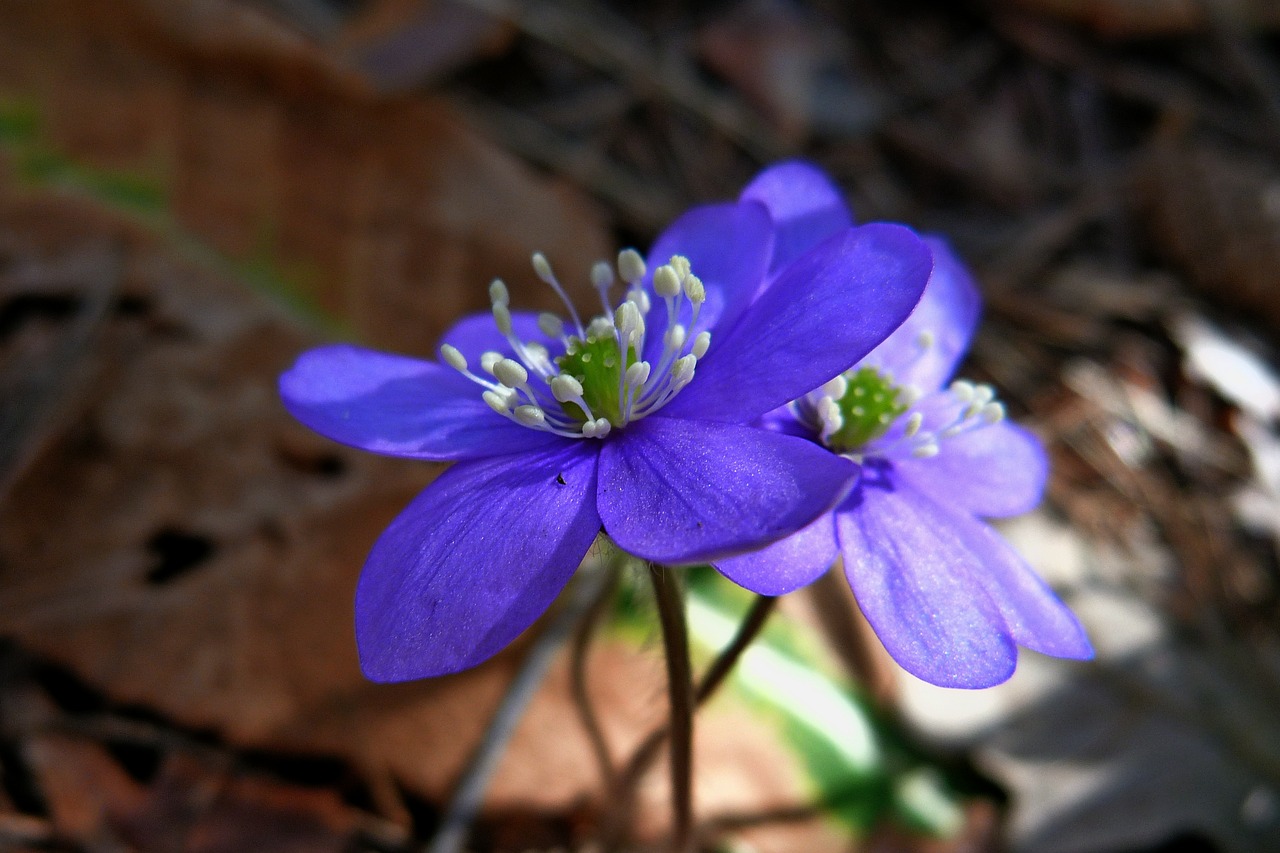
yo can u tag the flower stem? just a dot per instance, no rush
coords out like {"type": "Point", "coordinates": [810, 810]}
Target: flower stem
{"type": "Point", "coordinates": [675, 640]}
{"type": "Point", "coordinates": [626, 781]}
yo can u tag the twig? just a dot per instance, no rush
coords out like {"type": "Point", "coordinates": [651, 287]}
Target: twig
{"type": "Point", "coordinates": [471, 789]}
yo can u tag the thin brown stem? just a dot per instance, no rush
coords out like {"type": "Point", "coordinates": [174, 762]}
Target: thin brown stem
{"type": "Point", "coordinates": [623, 793]}
{"type": "Point", "coordinates": [587, 631]}
{"type": "Point", "coordinates": [675, 641]}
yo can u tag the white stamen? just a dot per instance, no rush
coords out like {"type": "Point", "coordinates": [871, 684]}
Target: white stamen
{"type": "Point", "coordinates": [993, 413]}
{"type": "Point", "coordinates": [541, 268]}
{"type": "Point", "coordinates": [674, 338]}
{"type": "Point", "coordinates": [530, 416]}
{"type": "Point", "coordinates": [836, 387]}
{"type": "Point", "coordinates": [602, 427]}
{"type": "Point", "coordinates": [550, 325]}
{"type": "Point", "coordinates": [453, 358]}
{"type": "Point", "coordinates": [925, 451]}
{"type": "Point", "coordinates": [682, 370]}
{"type": "Point", "coordinates": [681, 265]}
{"type": "Point", "coordinates": [511, 373]}
{"type": "Point", "coordinates": [829, 416]}
{"type": "Point", "coordinates": [497, 402]}
{"type": "Point", "coordinates": [488, 359]}
{"type": "Point", "coordinates": [498, 294]}
{"type": "Point", "coordinates": [565, 388]}
{"type": "Point", "coordinates": [914, 422]}
{"type": "Point", "coordinates": [666, 283]}
{"type": "Point", "coordinates": [909, 395]}
{"type": "Point", "coordinates": [694, 289]}
{"type": "Point", "coordinates": [962, 391]}
{"type": "Point", "coordinates": [630, 266]}
{"type": "Point", "coordinates": [601, 275]}
{"type": "Point", "coordinates": [502, 318]}
{"type": "Point", "coordinates": [637, 374]}
{"type": "Point", "coordinates": [701, 343]}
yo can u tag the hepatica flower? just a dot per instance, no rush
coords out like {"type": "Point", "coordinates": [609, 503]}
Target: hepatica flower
{"type": "Point", "coordinates": [635, 421]}
{"type": "Point", "coordinates": [950, 600]}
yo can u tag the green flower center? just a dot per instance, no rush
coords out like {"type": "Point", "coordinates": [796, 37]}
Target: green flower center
{"type": "Point", "coordinates": [867, 408]}
{"type": "Point", "coordinates": [595, 364]}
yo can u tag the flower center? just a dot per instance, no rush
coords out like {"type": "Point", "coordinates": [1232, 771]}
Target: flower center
{"type": "Point", "coordinates": [599, 382]}
{"type": "Point", "coordinates": [864, 414]}
{"type": "Point", "coordinates": [865, 410]}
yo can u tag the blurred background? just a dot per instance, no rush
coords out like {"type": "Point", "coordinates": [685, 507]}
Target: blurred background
{"type": "Point", "coordinates": [193, 191]}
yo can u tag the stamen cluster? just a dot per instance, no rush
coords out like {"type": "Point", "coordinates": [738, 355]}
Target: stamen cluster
{"type": "Point", "coordinates": [600, 381]}
{"type": "Point", "coordinates": [862, 413]}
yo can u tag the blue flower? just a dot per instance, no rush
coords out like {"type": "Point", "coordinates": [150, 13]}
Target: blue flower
{"type": "Point", "coordinates": [637, 422]}
{"type": "Point", "coordinates": [949, 598]}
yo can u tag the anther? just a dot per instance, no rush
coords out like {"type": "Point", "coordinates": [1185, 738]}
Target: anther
{"type": "Point", "coordinates": [502, 318]}
{"type": "Point", "coordinates": [453, 357]}
{"type": "Point", "coordinates": [674, 338]}
{"type": "Point", "coordinates": [694, 289]}
{"type": "Point", "coordinates": [914, 422]}
{"type": "Point", "coordinates": [638, 374]}
{"type": "Point", "coordinates": [962, 391]}
{"type": "Point", "coordinates": [550, 325]}
{"type": "Point", "coordinates": [682, 370]}
{"type": "Point", "coordinates": [681, 265]}
{"type": "Point", "coordinates": [488, 359]}
{"type": "Point", "coordinates": [666, 283]}
{"type": "Point", "coordinates": [601, 275]}
{"type": "Point", "coordinates": [701, 343]}
{"type": "Point", "coordinates": [993, 413]}
{"type": "Point", "coordinates": [565, 388]}
{"type": "Point", "coordinates": [541, 267]}
{"type": "Point", "coordinates": [530, 416]}
{"type": "Point", "coordinates": [497, 402]}
{"type": "Point", "coordinates": [836, 387]}
{"type": "Point", "coordinates": [925, 451]}
{"type": "Point", "coordinates": [498, 294]}
{"type": "Point", "coordinates": [511, 373]}
{"type": "Point", "coordinates": [630, 266]}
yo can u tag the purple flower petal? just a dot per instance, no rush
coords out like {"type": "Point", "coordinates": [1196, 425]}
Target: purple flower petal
{"type": "Point", "coordinates": [399, 406]}
{"type": "Point", "coordinates": [788, 564]}
{"type": "Point", "coordinates": [994, 472]}
{"type": "Point", "coordinates": [783, 420]}
{"type": "Point", "coordinates": [825, 312]}
{"type": "Point", "coordinates": [918, 584]}
{"type": "Point", "coordinates": [948, 312]}
{"type": "Point", "coordinates": [475, 334]}
{"type": "Point", "coordinates": [474, 560]}
{"type": "Point", "coordinates": [1032, 613]}
{"type": "Point", "coordinates": [728, 248]}
{"type": "Point", "coordinates": [806, 208]}
{"type": "Point", "coordinates": [676, 491]}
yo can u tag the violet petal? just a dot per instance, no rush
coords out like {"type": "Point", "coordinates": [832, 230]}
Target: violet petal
{"type": "Point", "coordinates": [677, 491]}
{"type": "Point", "coordinates": [474, 560]}
{"type": "Point", "coordinates": [788, 564]}
{"type": "Point", "coordinates": [806, 208]}
{"type": "Point", "coordinates": [825, 312]}
{"type": "Point", "coordinates": [399, 406]}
